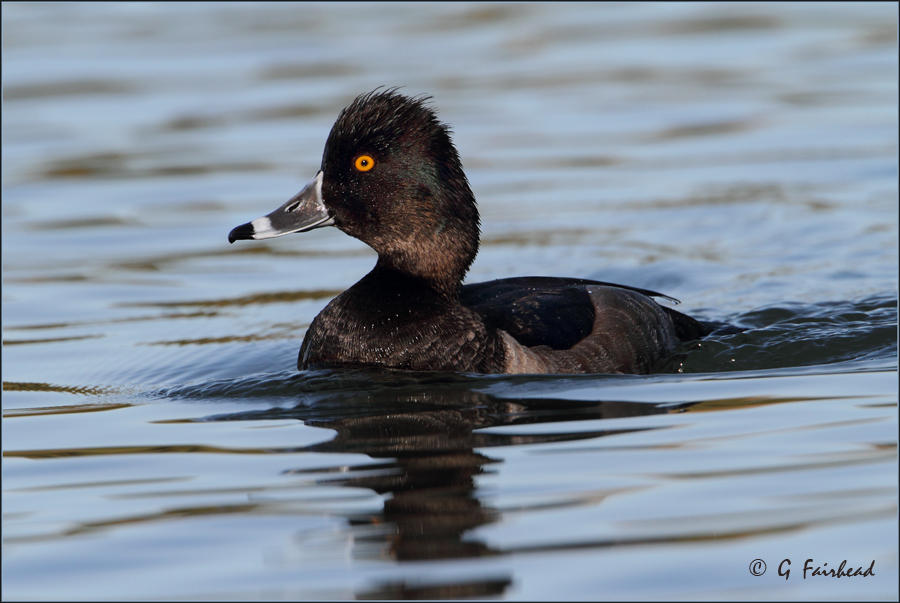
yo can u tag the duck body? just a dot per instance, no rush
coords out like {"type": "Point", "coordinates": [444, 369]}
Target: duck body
{"type": "Point", "coordinates": [391, 177]}
{"type": "Point", "coordinates": [515, 325]}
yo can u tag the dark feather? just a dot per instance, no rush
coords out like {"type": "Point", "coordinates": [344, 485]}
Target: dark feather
{"type": "Point", "coordinates": [553, 311]}
{"type": "Point", "coordinates": [534, 310]}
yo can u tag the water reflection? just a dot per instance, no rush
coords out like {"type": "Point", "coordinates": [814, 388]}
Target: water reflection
{"type": "Point", "coordinates": [432, 447]}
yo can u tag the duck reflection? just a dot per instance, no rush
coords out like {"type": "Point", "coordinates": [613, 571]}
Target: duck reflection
{"type": "Point", "coordinates": [434, 445]}
{"type": "Point", "coordinates": [431, 498]}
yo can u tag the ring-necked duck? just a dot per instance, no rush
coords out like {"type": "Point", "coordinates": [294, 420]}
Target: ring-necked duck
{"type": "Point", "coordinates": [391, 177]}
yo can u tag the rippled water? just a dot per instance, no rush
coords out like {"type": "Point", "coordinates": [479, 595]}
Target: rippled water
{"type": "Point", "coordinates": [159, 443]}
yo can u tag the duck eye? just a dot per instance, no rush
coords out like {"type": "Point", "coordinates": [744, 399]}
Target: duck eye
{"type": "Point", "coordinates": [364, 163]}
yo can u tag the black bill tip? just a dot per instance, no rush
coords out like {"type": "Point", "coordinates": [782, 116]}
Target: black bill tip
{"type": "Point", "coordinates": [244, 231]}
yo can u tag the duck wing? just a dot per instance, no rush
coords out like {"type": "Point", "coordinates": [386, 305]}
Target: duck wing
{"type": "Point", "coordinates": [554, 311]}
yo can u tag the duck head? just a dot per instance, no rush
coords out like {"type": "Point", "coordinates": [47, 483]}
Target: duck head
{"type": "Point", "coordinates": [391, 177]}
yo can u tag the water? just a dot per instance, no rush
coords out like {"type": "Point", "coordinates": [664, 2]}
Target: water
{"type": "Point", "coordinates": [158, 442]}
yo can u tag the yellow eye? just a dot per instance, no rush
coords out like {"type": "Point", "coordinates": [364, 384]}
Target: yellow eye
{"type": "Point", "coordinates": [364, 163]}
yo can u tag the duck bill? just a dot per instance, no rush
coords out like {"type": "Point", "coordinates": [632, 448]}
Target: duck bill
{"type": "Point", "coordinates": [304, 211]}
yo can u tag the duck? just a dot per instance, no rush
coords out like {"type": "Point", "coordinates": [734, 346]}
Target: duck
{"type": "Point", "coordinates": [391, 177]}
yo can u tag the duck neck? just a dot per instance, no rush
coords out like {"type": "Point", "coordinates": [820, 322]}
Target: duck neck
{"type": "Point", "coordinates": [437, 249]}
{"type": "Point", "coordinates": [442, 277]}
